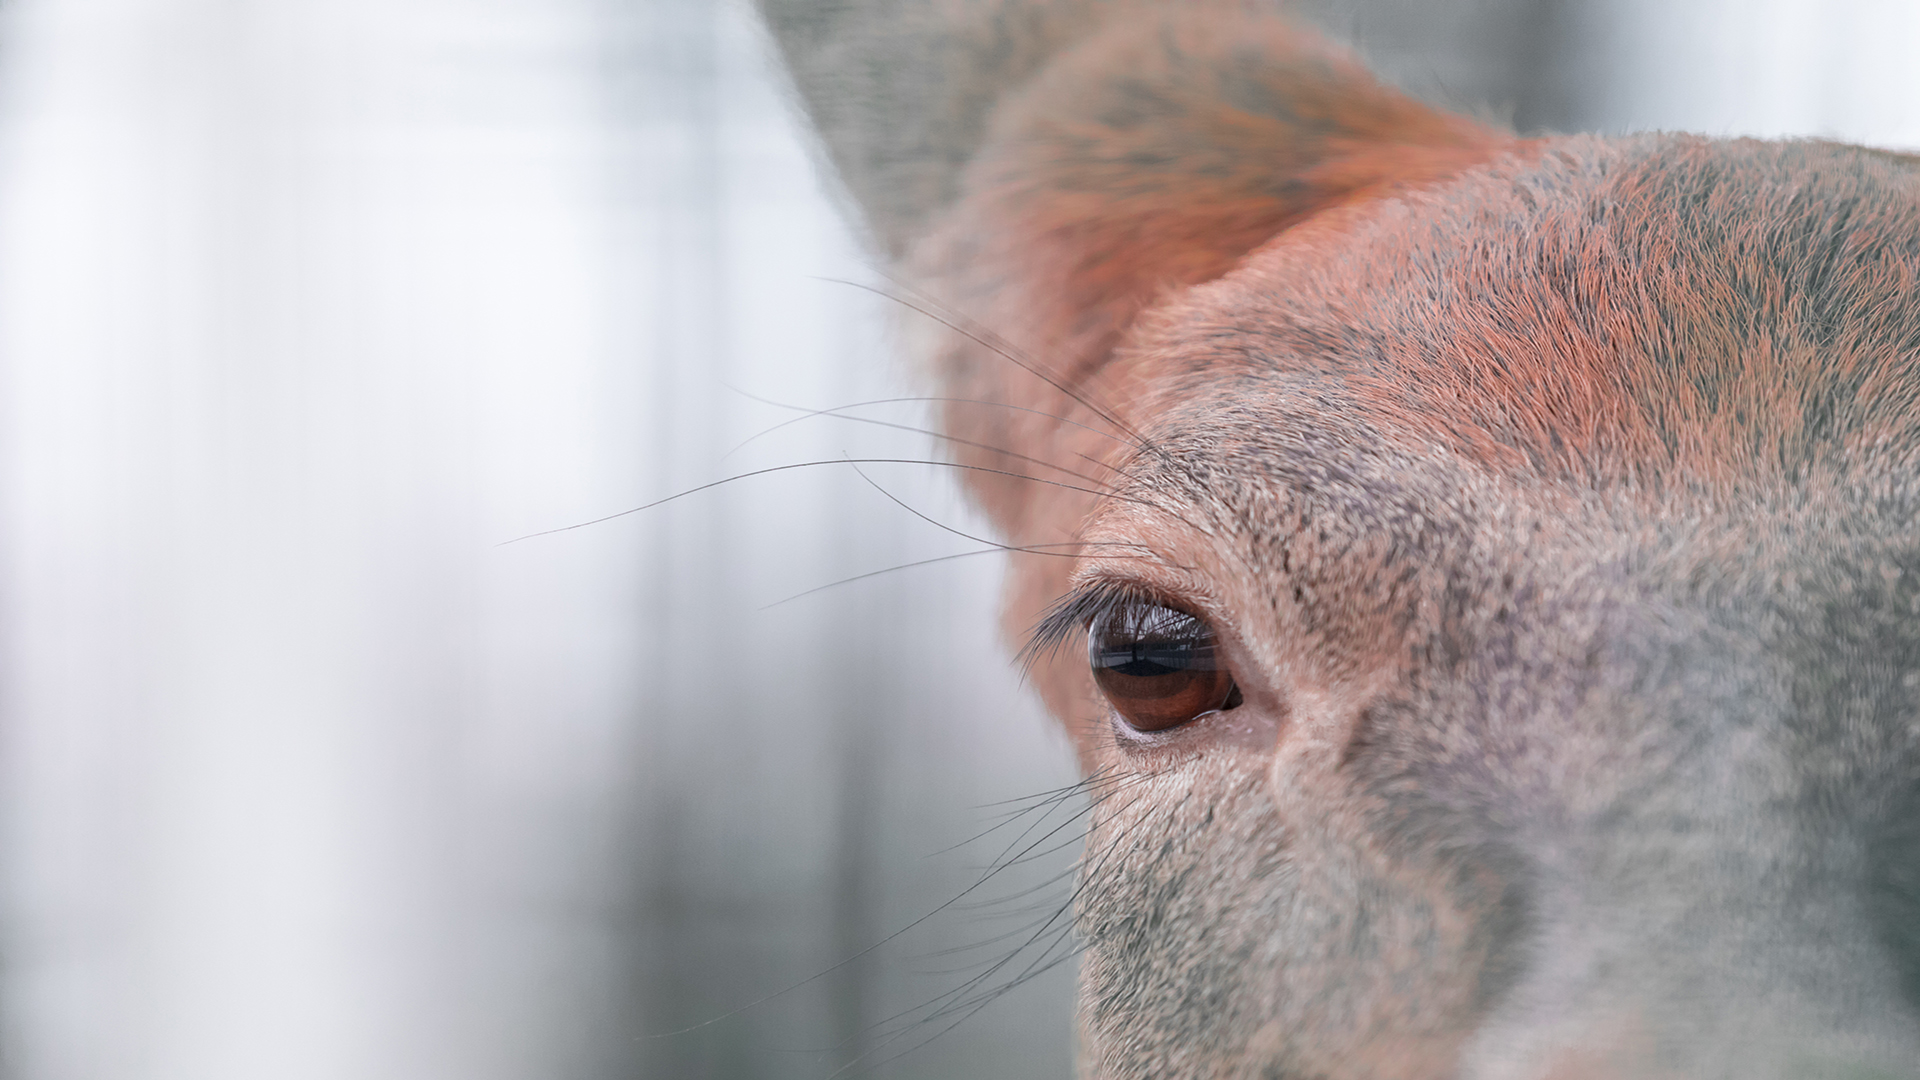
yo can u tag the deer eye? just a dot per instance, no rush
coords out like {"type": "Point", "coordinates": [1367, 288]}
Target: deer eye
{"type": "Point", "coordinates": [1159, 667]}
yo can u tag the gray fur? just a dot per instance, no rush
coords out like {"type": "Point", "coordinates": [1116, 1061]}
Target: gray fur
{"type": "Point", "coordinates": [901, 90]}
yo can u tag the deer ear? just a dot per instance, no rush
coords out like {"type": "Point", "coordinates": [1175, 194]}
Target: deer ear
{"type": "Point", "coordinates": [1045, 169]}
{"type": "Point", "coordinates": [1152, 155]}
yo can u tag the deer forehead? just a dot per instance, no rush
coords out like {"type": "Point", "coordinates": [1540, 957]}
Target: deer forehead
{"type": "Point", "coordinates": [1666, 311]}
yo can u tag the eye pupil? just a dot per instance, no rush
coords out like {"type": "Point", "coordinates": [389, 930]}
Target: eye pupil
{"type": "Point", "coordinates": [1158, 666]}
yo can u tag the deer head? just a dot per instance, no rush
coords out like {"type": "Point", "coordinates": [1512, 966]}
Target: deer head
{"type": "Point", "coordinates": [1479, 574]}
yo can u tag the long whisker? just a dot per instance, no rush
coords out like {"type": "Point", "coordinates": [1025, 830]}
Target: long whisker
{"type": "Point", "coordinates": [959, 323]}
{"type": "Point", "coordinates": [940, 1005]}
{"type": "Point", "coordinates": [1046, 801]}
{"type": "Point", "coordinates": [961, 999]}
{"type": "Point", "coordinates": [952, 320]}
{"type": "Point", "coordinates": [957, 441]}
{"type": "Point", "coordinates": [811, 465]}
{"type": "Point", "coordinates": [840, 411]}
{"type": "Point", "coordinates": [1032, 549]}
{"type": "Point", "coordinates": [817, 976]}
{"type": "Point", "coordinates": [1048, 934]}
{"type": "Point", "coordinates": [1027, 549]}
{"type": "Point", "coordinates": [1105, 772]}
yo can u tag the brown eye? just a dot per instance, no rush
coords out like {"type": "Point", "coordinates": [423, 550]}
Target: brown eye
{"type": "Point", "coordinates": [1159, 667]}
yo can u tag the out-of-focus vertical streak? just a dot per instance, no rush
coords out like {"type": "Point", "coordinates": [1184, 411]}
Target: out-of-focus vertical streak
{"type": "Point", "coordinates": [296, 322]}
{"type": "Point", "coordinates": [861, 733]}
{"type": "Point", "coordinates": [190, 569]}
{"type": "Point", "coordinates": [755, 839]}
{"type": "Point", "coordinates": [688, 923]}
{"type": "Point", "coordinates": [1839, 69]}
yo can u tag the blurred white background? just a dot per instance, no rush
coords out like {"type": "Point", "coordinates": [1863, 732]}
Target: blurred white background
{"type": "Point", "coordinates": [305, 308]}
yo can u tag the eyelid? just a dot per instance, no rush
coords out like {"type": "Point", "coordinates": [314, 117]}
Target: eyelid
{"type": "Point", "coordinates": [1071, 612]}
{"type": "Point", "coordinates": [1070, 615]}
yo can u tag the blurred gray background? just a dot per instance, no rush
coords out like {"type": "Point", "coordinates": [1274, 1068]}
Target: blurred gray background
{"type": "Point", "coordinates": [305, 308]}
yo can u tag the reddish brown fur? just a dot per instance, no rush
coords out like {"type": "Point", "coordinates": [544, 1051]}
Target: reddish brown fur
{"type": "Point", "coordinates": [1082, 209]}
{"type": "Point", "coordinates": [1652, 344]}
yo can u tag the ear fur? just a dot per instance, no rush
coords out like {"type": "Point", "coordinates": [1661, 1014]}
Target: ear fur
{"type": "Point", "coordinates": [1153, 155]}
{"type": "Point", "coordinates": [901, 91]}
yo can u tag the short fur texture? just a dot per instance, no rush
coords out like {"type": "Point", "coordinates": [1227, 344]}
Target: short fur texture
{"type": "Point", "coordinates": [1553, 498]}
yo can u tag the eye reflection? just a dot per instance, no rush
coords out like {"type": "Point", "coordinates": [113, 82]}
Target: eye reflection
{"type": "Point", "coordinates": [1158, 666]}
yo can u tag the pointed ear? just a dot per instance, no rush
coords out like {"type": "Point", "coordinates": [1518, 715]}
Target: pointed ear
{"type": "Point", "coordinates": [1154, 154]}
{"type": "Point", "coordinates": [1046, 169]}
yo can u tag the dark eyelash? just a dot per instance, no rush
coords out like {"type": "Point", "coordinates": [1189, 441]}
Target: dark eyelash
{"type": "Point", "coordinates": [1074, 612]}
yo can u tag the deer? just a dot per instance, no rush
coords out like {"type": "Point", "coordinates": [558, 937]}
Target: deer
{"type": "Point", "coordinates": [1479, 574]}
